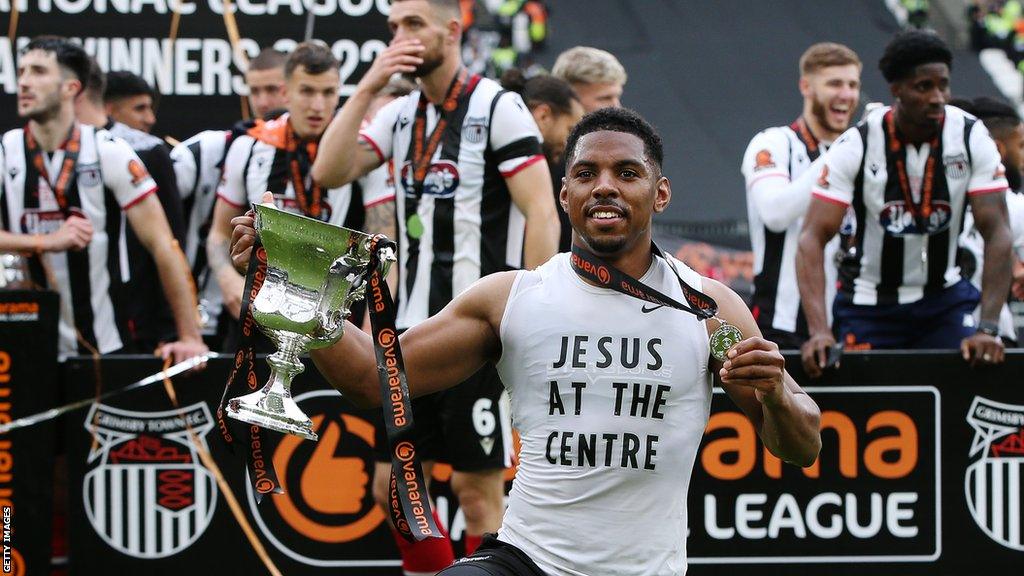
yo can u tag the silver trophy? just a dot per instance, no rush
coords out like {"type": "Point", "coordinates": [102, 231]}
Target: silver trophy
{"type": "Point", "coordinates": [315, 272]}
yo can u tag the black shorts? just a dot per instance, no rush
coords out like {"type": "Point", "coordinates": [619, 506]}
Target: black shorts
{"type": "Point", "coordinates": [465, 426]}
{"type": "Point", "coordinates": [494, 558]}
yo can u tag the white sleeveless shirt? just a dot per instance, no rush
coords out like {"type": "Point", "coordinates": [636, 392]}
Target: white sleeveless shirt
{"type": "Point", "coordinates": [610, 403]}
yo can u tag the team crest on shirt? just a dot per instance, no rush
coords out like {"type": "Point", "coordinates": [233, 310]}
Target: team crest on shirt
{"type": "Point", "coordinates": [763, 160]}
{"type": "Point", "coordinates": [89, 175]}
{"type": "Point", "coordinates": [896, 220]}
{"type": "Point", "coordinates": [474, 130]}
{"type": "Point", "coordinates": [956, 166]}
{"type": "Point", "coordinates": [441, 181]}
{"type": "Point", "coordinates": [992, 482]}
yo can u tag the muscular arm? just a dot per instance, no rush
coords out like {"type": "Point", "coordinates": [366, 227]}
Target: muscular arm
{"type": "Point", "coordinates": [530, 189]}
{"type": "Point", "coordinates": [991, 219]}
{"type": "Point", "coordinates": [439, 353]}
{"type": "Point", "coordinates": [150, 225]}
{"type": "Point", "coordinates": [754, 376]}
{"type": "Point", "coordinates": [821, 223]}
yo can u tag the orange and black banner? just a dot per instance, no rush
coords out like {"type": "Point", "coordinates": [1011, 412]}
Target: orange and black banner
{"type": "Point", "coordinates": [920, 474]}
{"type": "Point", "coordinates": [261, 470]}
{"type": "Point", "coordinates": [28, 384]}
{"type": "Point", "coordinates": [409, 503]}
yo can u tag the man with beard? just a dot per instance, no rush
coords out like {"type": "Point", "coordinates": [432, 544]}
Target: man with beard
{"type": "Point", "coordinates": [65, 186]}
{"type": "Point", "coordinates": [556, 109]}
{"type": "Point", "coordinates": [601, 487]}
{"type": "Point", "coordinates": [474, 198]}
{"type": "Point", "coordinates": [276, 156]}
{"type": "Point", "coordinates": [776, 168]}
{"type": "Point", "coordinates": [909, 171]}
{"type": "Point", "coordinates": [1007, 130]}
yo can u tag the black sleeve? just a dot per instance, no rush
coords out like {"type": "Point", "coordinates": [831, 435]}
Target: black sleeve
{"type": "Point", "coordinates": [158, 161]}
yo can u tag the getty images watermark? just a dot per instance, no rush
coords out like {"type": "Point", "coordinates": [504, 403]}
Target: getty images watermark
{"type": "Point", "coordinates": [8, 520]}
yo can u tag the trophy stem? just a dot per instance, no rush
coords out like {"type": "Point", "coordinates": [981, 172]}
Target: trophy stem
{"type": "Point", "coordinates": [272, 407]}
{"type": "Point", "coordinates": [285, 364]}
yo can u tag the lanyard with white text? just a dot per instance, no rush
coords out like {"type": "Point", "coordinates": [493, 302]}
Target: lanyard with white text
{"type": "Point", "coordinates": [409, 504]}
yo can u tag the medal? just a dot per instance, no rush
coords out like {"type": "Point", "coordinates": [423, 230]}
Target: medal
{"type": "Point", "coordinates": [724, 337]}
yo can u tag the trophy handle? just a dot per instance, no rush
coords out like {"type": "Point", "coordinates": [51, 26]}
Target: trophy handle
{"type": "Point", "coordinates": [272, 406]}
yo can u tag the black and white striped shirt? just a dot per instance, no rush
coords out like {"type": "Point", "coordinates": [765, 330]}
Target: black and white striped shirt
{"type": "Point", "coordinates": [257, 163]}
{"type": "Point", "coordinates": [464, 225]}
{"type": "Point", "coordinates": [109, 178]}
{"type": "Point", "coordinates": [778, 174]}
{"type": "Point", "coordinates": [198, 163]}
{"type": "Point", "coordinates": [898, 259]}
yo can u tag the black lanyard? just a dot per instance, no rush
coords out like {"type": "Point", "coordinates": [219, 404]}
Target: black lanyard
{"type": "Point", "coordinates": [409, 504]}
{"type": "Point", "coordinates": [67, 169]}
{"type": "Point", "coordinates": [600, 272]}
{"type": "Point", "coordinates": [425, 146]}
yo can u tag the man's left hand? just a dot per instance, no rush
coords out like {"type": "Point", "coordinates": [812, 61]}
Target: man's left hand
{"type": "Point", "coordinates": [981, 348]}
{"type": "Point", "coordinates": [182, 350]}
{"type": "Point", "coordinates": [757, 363]}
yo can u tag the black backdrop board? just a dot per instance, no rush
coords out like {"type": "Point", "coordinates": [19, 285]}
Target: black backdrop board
{"type": "Point", "coordinates": [928, 449]}
{"type": "Point", "coordinates": [28, 384]}
{"type": "Point", "coordinates": [198, 77]}
{"type": "Point", "coordinates": [889, 415]}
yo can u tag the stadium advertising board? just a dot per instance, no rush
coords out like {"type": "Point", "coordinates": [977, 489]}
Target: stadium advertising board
{"type": "Point", "coordinates": [919, 474]}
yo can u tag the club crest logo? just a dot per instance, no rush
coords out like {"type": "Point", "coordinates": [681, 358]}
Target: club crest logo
{"type": "Point", "coordinates": [474, 130]}
{"type": "Point", "coordinates": [89, 175]}
{"type": "Point", "coordinates": [147, 495]}
{"type": "Point", "coordinates": [956, 166]}
{"type": "Point", "coordinates": [992, 482]}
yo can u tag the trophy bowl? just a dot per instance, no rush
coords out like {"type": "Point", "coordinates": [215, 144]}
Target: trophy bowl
{"type": "Point", "coordinates": [315, 271]}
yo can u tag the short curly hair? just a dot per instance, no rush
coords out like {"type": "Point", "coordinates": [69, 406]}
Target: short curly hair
{"type": "Point", "coordinates": [617, 120]}
{"type": "Point", "coordinates": [910, 49]}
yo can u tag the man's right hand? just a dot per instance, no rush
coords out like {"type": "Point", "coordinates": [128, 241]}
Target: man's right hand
{"type": "Point", "coordinates": [400, 57]}
{"type": "Point", "coordinates": [74, 234]}
{"type": "Point", "coordinates": [814, 353]}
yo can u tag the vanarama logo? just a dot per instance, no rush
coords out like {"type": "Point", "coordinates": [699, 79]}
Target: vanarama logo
{"type": "Point", "coordinates": [599, 272]}
{"type": "Point", "coordinates": [148, 495]}
{"type": "Point", "coordinates": [327, 500]}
